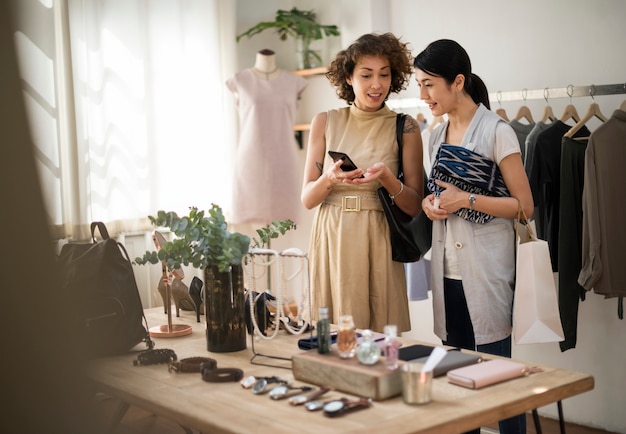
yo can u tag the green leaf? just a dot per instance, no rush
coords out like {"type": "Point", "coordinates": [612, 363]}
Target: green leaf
{"type": "Point", "coordinates": [293, 23]}
{"type": "Point", "coordinates": [202, 239]}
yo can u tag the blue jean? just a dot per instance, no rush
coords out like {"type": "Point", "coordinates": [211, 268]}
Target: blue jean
{"type": "Point", "coordinates": [461, 335]}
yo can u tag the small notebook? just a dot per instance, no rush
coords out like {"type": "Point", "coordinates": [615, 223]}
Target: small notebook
{"type": "Point", "coordinates": [486, 373]}
{"type": "Point", "coordinates": [452, 360]}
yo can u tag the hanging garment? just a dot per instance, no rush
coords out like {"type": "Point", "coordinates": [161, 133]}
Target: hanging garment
{"type": "Point", "coordinates": [531, 141]}
{"type": "Point", "coordinates": [417, 279]}
{"type": "Point", "coordinates": [267, 173]}
{"type": "Point", "coordinates": [570, 236]}
{"type": "Point", "coordinates": [604, 210]}
{"type": "Point", "coordinates": [545, 183]}
{"type": "Point", "coordinates": [418, 273]}
{"type": "Point", "coordinates": [521, 131]}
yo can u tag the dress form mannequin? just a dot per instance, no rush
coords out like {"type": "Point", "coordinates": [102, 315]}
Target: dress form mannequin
{"type": "Point", "coordinates": [266, 99]}
{"type": "Point", "coordinates": [265, 66]}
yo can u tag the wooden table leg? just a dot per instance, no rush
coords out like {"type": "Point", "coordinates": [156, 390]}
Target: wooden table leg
{"type": "Point", "coordinates": [121, 410]}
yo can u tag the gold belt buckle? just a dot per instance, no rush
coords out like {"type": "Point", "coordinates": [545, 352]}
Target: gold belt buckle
{"type": "Point", "coordinates": [351, 203]}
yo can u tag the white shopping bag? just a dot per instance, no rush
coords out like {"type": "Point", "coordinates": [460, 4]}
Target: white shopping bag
{"type": "Point", "coordinates": [536, 317]}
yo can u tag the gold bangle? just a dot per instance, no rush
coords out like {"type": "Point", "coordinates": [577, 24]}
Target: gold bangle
{"type": "Point", "coordinates": [393, 196]}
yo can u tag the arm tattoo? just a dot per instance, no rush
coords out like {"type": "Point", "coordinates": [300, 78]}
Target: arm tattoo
{"type": "Point", "coordinates": [319, 166]}
{"type": "Point", "coordinates": [410, 125]}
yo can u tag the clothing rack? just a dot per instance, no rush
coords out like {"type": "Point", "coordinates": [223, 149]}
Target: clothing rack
{"type": "Point", "coordinates": [546, 93]}
{"type": "Point", "coordinates": [559, 92]}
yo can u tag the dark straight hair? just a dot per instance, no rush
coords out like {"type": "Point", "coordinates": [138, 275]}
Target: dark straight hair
{"type": "Point", "coordinates": [446, 58]}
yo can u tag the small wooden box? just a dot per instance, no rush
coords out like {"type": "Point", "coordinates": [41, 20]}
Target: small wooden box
{"type": "Point", "coordinates": [347, 375]}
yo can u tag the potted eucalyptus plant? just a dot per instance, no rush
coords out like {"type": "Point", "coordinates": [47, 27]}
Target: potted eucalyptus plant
{"type": "Point", "coordinates": [302, 26]}
{"type": "Point", "coordinates": [203, 241]}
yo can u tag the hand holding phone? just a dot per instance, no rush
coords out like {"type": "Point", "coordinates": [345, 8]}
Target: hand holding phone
{"type": "Point", "coordinates": [347, 165]}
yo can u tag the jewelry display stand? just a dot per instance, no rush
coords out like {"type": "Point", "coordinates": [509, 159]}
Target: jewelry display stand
{"type": "Point", "coordinates": [168, 330]}
{"type": "Point", "coordinates": [268, 260]}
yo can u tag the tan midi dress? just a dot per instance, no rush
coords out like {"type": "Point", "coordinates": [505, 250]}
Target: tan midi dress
{"type": "Point", "coordinates": [350, 253]}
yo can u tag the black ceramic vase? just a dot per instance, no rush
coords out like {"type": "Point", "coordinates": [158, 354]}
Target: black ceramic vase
{"type": "Point", "coordinates": [224, 302]}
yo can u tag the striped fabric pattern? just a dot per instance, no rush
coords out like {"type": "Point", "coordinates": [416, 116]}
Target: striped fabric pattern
{"type": "Point", "coordinates": [471, 172]}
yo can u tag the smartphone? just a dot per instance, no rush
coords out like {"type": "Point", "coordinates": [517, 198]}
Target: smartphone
{"type": "Point", "coordinates": [348, 165]}
{"type": "Point", "coordinates": [413, 352]}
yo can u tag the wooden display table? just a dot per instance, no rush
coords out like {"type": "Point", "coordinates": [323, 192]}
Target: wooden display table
{"type": "Point", "coordinates": [228, 408]}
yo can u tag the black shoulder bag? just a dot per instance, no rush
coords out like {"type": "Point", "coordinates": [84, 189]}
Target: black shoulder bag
{"type": "Point", "coordinates": [411, 237]}
{"type": "Point", "coordinates": [98, 281]}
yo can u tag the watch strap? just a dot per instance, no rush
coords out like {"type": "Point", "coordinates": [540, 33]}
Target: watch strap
{"type": "Point", "coordinates": [472, 201]}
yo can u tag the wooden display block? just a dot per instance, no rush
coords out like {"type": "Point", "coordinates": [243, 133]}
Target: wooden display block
{"type": "Point", "coordinates": [347, 375]}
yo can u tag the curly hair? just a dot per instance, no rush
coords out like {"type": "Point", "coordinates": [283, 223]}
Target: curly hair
{"type": "Point", "coordinates": [386, 45]}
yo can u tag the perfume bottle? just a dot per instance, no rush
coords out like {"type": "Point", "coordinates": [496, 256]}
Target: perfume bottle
{"type": "Point", "coordinates": [346, 337]}
{"type": "Point", "coordinates": [368, 352]}
{"type": "Point", "coordinates": [391, 346]}
{"type": "Point", "coordinates": [323, 332]}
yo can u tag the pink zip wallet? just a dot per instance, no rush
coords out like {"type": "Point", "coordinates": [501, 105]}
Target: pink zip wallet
{"type": "Point", "coordinates": [486, 373]}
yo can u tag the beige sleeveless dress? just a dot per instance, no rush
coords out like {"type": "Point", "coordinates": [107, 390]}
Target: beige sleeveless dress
{"type": "Point", "coordinates": [267, 180]}
{"type": "Point", "coordinates": [350, 253]}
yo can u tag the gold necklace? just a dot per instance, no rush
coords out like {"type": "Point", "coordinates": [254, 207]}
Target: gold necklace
{"type": "Point", "coordinates": [267, 74]}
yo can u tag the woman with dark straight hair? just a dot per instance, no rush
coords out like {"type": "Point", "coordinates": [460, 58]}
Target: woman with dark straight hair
{"type": "Point", "coordinates": [473, 259]}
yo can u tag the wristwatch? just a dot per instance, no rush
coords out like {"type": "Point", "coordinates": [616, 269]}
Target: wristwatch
{"type": "Point", "coordinates": [303, 399]}
{"type": "Point", "coordinates": [344, 405]}
{"type": "Point", "coordinates": [285, 391]}
{"type": "Point", "coordinates": [472, 201]}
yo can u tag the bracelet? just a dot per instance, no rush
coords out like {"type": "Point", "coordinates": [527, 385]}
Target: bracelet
{"type": "Point", "coordinates": [153, 357]}
{"type": "Point", "coordinates": [191, 364]}
{"type": "Point", "coordinates": [393, 196]}
{"type": "Point", "coordinates": [221, 375]}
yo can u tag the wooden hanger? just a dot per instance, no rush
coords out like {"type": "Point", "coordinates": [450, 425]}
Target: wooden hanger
{"type": "Point", "coordinates": [548, 115]}
{"type": "Point", "coordinates": [524, 113]}
{"type": "Point", "coordinates": [570, 112]}
{"type": "Point", "coordinates": [592, 111]}
{"type": "Point", "coordinates": [502, 113]}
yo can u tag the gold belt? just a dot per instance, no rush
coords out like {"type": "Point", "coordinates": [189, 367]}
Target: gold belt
{"type": "Point", "coordinates": [354, 202]}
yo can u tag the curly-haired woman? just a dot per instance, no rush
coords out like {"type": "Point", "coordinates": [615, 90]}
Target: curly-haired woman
{"type": "Point", "coordinates": [352, 272]}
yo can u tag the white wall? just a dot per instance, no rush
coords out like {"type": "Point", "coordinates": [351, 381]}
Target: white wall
{"type": "Point", "coordinates": [513, 46]}
{"type": "Point", "coordinates": [534, 45]}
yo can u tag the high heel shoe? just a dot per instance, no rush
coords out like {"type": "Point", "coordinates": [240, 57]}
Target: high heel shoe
{"type": "Point", "coordinates": [196, 294]}
{"type": "Point", "coordinates": [262, 314]}
{"type": "Point", "coordinates": [180, 296]}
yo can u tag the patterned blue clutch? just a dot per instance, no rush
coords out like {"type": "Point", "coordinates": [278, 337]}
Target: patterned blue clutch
{"type": "Point", "coordinates": [469, 171]}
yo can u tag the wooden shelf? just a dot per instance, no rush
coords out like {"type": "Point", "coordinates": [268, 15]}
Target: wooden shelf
{"type": "Point", "coordinates": [312, 71]}
{"type": "Point", "coordinates": [300, 128]}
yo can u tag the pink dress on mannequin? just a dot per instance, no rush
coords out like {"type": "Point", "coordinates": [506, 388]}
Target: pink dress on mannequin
{"type": "Point", "coordinates": [267, 170]}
